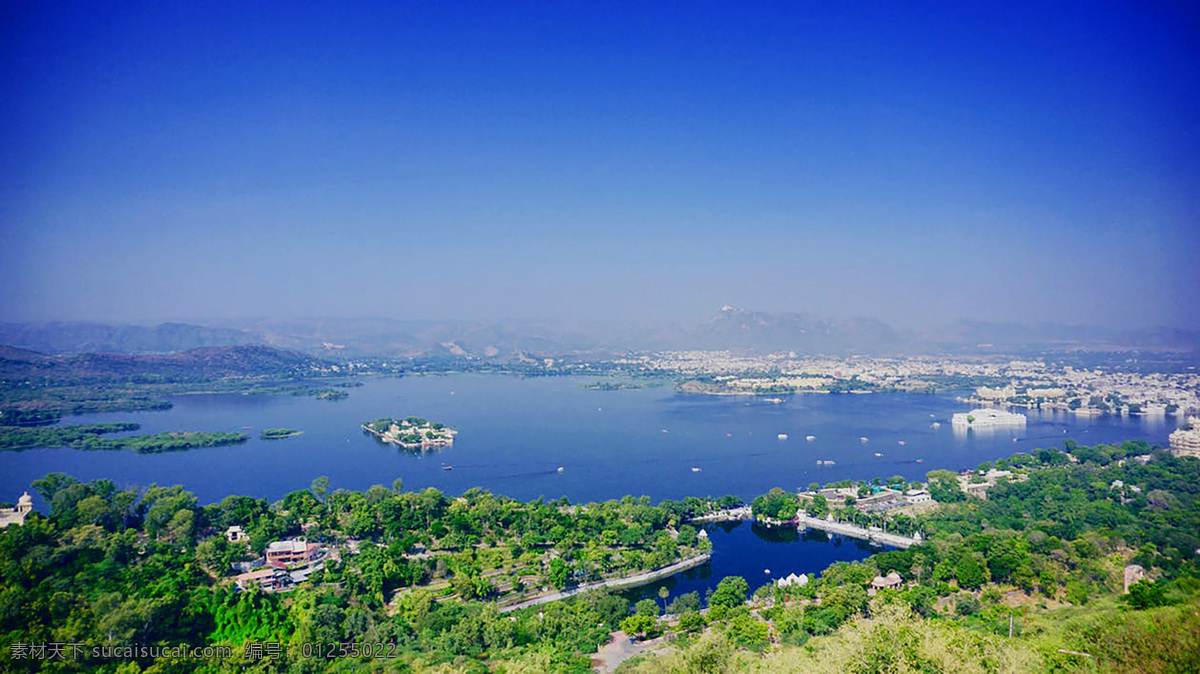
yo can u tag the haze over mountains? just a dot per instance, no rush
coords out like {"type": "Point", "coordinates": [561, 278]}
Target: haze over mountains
{"type": "Point", "coordinates": [730, 328]}
{"type": "Point", "coordinates": [206, 363]}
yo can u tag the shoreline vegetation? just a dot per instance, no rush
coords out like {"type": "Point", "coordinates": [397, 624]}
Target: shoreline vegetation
{"type": "Point", "coordinates": [1079, 550]}
{"type": "Point", "coordinates": [625, 385]}
{"type": "Point", "coordinates": [93, 437]}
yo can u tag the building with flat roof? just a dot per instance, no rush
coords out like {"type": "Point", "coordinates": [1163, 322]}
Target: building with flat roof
{"type": "Point", "coordinates": [263, 578]}
{"type": "Point", "coordinates": [917, 496]}
{"type": "Point", "coordinates": [1186, 440]}
{"type": "Point", "coordinates": [282, 554]}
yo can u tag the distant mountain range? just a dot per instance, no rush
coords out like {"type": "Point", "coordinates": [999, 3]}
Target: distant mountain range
{"type": "Point", "coordinates": [740, 329]}
{"type": "Point", "coordinates": [102, 338]}
{"type": "Point", "coordinates": [1052, 335]}
{"type": "Point", "coordinates": [729, 329]}
{"type": "Point", "coordinates": [207, 363]}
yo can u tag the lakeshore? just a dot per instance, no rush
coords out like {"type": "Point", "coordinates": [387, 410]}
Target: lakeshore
{"type": "Point", "coordinates": [874, 535]}
{"type": "Point", "coordinates": [627, 582]}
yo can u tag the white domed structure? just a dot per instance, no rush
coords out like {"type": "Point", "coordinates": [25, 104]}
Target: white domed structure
{"type": "Point", "coordinates": [10, 516]}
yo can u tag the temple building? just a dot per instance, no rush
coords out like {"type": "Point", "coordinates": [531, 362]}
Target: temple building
{"type": "Point", "coordinates": [17, 515]}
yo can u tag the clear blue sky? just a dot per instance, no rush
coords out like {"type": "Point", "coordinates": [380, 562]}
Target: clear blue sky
{"type": "Point", "coordinates": [916, 162]}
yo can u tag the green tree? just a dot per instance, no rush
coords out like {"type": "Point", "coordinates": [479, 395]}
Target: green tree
{"type": "Point", "coordinates": [1146, 594]}
{"type": "Point", "coordinates": [819, 507]}
{"type": "Point", "coordinates": [639, 624]}
{"type": "Point", "coordinates": [559, 573]}
{"type": "Point", "coordinates": [970, 573]}
{"type": "Point", "coordinates": [319, 487]}
{"type": "Point", "coordinates": [730, 592]}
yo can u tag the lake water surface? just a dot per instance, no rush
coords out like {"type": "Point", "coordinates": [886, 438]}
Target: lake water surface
{"type": "Point", "coordinates": [759, 554]}
{"type": "Point", "coordinates": [514, 433]}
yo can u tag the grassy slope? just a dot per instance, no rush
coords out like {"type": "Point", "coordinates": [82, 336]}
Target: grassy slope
{"type": "Point", "coordinates": [1157, 640]}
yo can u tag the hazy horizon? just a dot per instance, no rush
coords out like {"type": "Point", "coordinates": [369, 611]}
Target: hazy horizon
{"type": "Point", "coordinates": [603, 164]}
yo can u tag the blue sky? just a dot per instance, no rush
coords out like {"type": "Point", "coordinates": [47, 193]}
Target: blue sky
{"type": "Point", "coordinates": [915, 162]}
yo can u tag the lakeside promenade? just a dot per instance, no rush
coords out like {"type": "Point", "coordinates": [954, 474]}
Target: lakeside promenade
{"type": "Point", "coordinates": [612, 584]}
{"type": "Point", "coordinates": [804, 521]}
{"type": "Point", "coordinates": [729, 515]}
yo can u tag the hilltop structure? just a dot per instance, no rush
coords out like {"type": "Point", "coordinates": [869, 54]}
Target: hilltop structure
{"type": "Point", "coordinates": [1186, 440]}
{"type": "Point", "coordinates": [16, 515]}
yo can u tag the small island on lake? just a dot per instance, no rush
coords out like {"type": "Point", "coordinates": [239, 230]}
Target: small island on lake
{"type": "Point", "coordinates": [411, 432]}
{"type": "Point", "coordinates": [278, 433]}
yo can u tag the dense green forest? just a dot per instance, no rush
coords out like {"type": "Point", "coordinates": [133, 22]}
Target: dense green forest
{"type": "Point", "coordinates": [111, 566]}
{"type": "Point", "coordinates": [429, 576]}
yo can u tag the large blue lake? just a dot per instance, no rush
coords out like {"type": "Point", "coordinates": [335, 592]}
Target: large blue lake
{"type": "Point", "coordinates": [515, 433]}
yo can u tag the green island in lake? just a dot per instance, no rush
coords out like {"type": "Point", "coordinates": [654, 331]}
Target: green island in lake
{"type": "Point", "coordinates": [411, 432]}
{"type": "Point", "coordinates": [278, 433]}
{"type": "Point", "coordinates": [91, 437]}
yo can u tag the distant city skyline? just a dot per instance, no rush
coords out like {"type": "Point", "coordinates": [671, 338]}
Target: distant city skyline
{"type": "Point", "coordinates": [603, 163]}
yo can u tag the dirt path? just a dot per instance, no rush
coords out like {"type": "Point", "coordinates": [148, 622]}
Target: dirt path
{"type": "Point", "coordinates": [621, 648]}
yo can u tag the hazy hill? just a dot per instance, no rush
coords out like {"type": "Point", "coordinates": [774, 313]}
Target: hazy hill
{"type": "Point", "coordinates": [102, 338]}
{"type": "Point", "coordinates": [207, 363]}
{"type": "Point", "coordinates": [735, 328]}
{"type": "Point", "coordinates": [1056, 336]}
{"type": "Point", "coordinates": [729, 329]}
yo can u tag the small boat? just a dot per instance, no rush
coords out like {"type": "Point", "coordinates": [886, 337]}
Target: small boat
{"type": "Point", "coordinates": [729, 435]}
{"type": "Point", "coordinates": [560, 469]}
{"type": "Point", "coordinates": [664, 431]}
{"type": "Point", "coordinates": [695, 469]}
{"type": "Point", "coordinates": [878, 453]}
{"type": "Point", "coordinates": [447, 467]}
{"type": "Point", "coordinates": [782, 436]}
{"type": "Point", "coordinates": [920, 460]}
{"type": "Point", "coordinates": [810, 438]}
{"type": "Point", "coordinates": [902, 443]}
{"type": "Point", "coordinates": [935, 425]}
{"type": "Point", "coordinates": [864, 439]}
{"type": "Point", "coordinates": [767, 571]}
